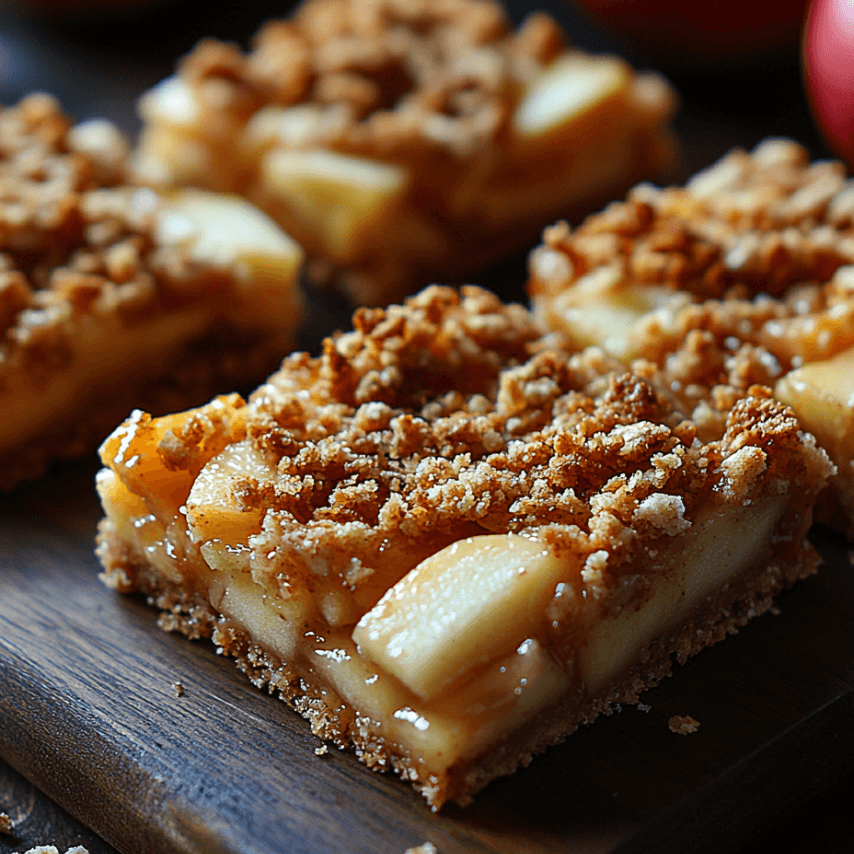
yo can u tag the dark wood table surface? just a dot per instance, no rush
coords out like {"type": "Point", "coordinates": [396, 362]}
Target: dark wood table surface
{"type": "Point", "coordinates": [99, 67]}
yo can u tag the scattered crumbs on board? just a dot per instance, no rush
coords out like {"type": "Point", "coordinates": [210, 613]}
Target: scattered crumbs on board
{"type": "Point", "coordinates": [178, 689]}
{"type": "Point", "coordinates": [52, 849]}
{"type": "Point", "coordinates": [322, 750]}
{"type": "Point", "coordinates": [683, 724]}
{"type": "Point", "coordinates": [424, 848]}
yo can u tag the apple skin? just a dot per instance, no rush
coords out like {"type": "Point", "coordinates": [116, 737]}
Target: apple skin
{"type": "Point", "coordinates": [715, 34]}
{"type": "Point", "coordinates": [828, 57]}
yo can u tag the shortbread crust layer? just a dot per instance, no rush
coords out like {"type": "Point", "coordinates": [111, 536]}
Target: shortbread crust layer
{"type": "Point", "coordinates": [407, 143]}
{"type": "Point", "coordinates": [448, 542]}
{"type": "Point", "coordinates": [112, 295]}
{"type": "Point", "coordinates": [743, 276]}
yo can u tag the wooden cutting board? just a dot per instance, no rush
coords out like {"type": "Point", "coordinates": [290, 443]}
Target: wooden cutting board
{"type": "Point", "coordinates": [90, 714]}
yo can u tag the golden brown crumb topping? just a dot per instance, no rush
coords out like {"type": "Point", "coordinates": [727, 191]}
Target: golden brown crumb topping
{"type": "Point", "coordinates": [73, 240]}
{"type": "Point", "coordinates": [450, 416]}
{"type": "Point", "coordinates": [712, 353]}
{"type": "Point", "coordinates": [763, 244]}
{"type": "Point", "coordinates": [42, 166]}
{"type": "Point", "coordinates": [398, 73]}
{"type": "Point", "coordinates": [754, 223]}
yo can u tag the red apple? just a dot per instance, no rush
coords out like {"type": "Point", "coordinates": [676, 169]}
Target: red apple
{"type": "Point", "coordinates": [828, 50]}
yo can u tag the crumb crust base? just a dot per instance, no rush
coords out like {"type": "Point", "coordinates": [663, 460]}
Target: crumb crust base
{"type": "Point", "coordinates": [722, 614]}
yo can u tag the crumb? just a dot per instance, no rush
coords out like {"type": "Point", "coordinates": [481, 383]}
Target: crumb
{"type": "Point", "coordinates": [52, 849]}
{"type": "Point", "coordinates": [683, 724]}
{"type": "Point", "coordinates": [322, 750]}
{"type": "Point", "coordinates": [178, 688]}
{"type": "Point", "coordinates": [643, 707]}
{"type": "Point", "coordinates": [424, 848]}
{"type": "Point", "coordinates": [6, 825]}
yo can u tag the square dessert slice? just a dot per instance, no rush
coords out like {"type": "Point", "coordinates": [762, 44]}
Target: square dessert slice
{"type": "Point", "coordinates": [447, 542]}
{"type": "Point", "coordinates": [743, 276]}
{"type": "Point", "coordinates": [111, 294]}
{"type": "Point", "coordinates": [407, 143]}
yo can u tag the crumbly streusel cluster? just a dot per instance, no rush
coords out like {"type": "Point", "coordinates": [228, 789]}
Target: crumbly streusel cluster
{"type": "Point", "coordinates": [451, 70]}
{"type": "Point", "coordinates": [763, 222]}
{"type": "Point", "coordinates": [450, 416]}
{"type": "Point", "coordinates": [762, 243]}
{"type": "Point", "coordinates": [73, 239]}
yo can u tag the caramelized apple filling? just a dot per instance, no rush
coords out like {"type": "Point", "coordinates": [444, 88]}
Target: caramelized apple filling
{"type": "Point", "coordinates": [744, 276]}
{"type": "Point", "coordinates": [447, 542]}
{"type": "Point", "coordinates": [410, 143]}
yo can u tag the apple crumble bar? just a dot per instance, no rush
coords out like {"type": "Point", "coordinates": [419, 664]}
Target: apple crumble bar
{"type": "Point", "coordinates": [405, 142]}
{"type": "Point", "coordinates": [743, 276]}
{"type": "Point", "coordinates": [110, 293]}
{"type": "Point", "coordinates": [448, 541]}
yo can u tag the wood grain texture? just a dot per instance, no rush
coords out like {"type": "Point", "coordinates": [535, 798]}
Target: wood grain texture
{"type": "Point", "coordinates": [89, 714]}
{"type": "Point", "coordinates": [38, 821]}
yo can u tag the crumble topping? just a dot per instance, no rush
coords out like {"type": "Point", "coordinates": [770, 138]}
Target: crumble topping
{"type": "Point", "coordinates": [392, 78]}
{"type": "Point", "coordinates": [761, 241]}
{"type": "Point", "coordinates": [73, 240]}
{"type": "Point", "coordinates": [753, 223]}
{"type": "Point", "coordinates": [403, 143]}
{"type": "Point", "coordinates": [450, 416]}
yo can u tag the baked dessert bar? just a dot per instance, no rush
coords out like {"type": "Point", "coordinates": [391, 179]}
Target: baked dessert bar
{"type": "Point", "coordinates": [448, 542]}
{"type": "Point", "coordinates": [406, 143]}
{"type": "Point", "coordinates": [742, 276]}
{"type": "Point", "coordinates": [110, 293]}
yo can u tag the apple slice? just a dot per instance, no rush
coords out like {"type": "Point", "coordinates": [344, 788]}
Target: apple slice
{"type": "Point", "coordinates": [721, 543]}
{"type": "Point", "coordinates": [822, 395]}
{"type": "Point", "coordinates": [566, 91]}
{"type": "Point", "coordinates": [172, 101]}
{"type": "Point", "coordinates": [334, 195]}
{"type": "Point", "coordinates": [470, 603]}
{"type": "Point", "coordinates": [601, 310]}
{"type": "Point", "coordinates": [135, 450]}
{"type": "Point", "coordinates": [213, 507]}
{"type": "Point", "coordinates": [226, 230]}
